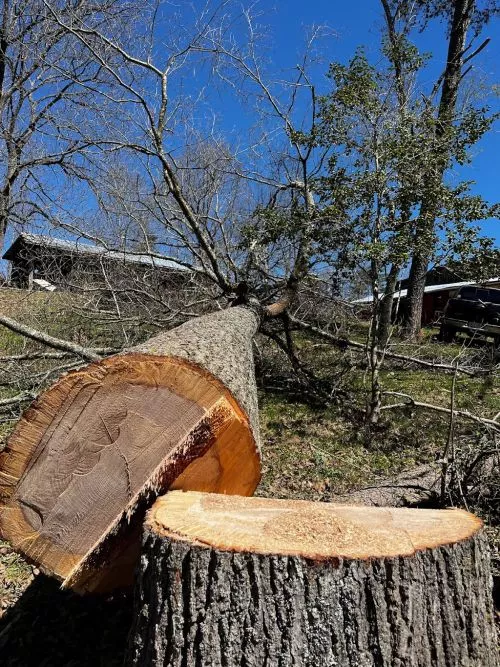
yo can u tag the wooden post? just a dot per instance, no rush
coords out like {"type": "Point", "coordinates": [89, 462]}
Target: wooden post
{"type": "Point", "coordinates": [94, 451]}
{"type": "Point", "coordinates": [230, 581]}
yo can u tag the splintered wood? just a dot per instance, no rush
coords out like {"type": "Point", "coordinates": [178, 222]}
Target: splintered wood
{"type": "Point", "coordinates": [89, 454]}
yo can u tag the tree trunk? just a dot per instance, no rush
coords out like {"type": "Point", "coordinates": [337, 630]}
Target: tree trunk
{"type": "Point", "coordinates": [259, 582]}
{"type": "Point", "coordinates": [460, 23]}
{"type": "Point", "coordinates": [385, 310]}
{"type": "Point", "coordinates": [92, 453]}
{"type": "Point", "coordinates": [416, 291]}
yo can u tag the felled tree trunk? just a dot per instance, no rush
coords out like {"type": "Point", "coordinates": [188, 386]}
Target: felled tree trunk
{"type": "Point", "coordinates": [92, 453]}
{"type": "Point", "coordinates": [229, 581]}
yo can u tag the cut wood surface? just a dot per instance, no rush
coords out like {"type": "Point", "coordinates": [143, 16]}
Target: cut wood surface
{"type": "Point", "coordinates": [230, 581]}
{"type": "Point", "coordinates": [176, 412]}
{"type": "Point", "coordinates": [303, 528]}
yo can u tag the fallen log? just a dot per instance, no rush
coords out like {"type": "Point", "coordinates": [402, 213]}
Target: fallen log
{"type": "Point", "coordinates": [417, 487]}
{"type": "Point", "coordinates": [253, 581]}
{"type": "Point", "coordinates": [94, 451]}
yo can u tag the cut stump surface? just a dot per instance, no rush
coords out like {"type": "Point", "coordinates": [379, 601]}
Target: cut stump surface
{"type": "Point", "coordinates": [318, 531]}
{"type": "Point", "coordinates": [261, 582]}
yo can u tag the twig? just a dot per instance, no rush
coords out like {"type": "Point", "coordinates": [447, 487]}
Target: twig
{"type": "Point", "coordinates": [303, 374]}
{"type": "Point", "coordinates": [478, 50]}
{"type": "Point", "coordinates": [449, 441]}
{"type": "Point", "coordinates": [343, 343]}
{"type": "Point", "coordinates": [19, 398]}
{"type": "Point", "coordinates": [411, 402]}
{"type": "Point", "coordinates": [31, 356]}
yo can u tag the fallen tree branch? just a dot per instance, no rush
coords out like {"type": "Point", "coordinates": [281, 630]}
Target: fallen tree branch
{"type": "Point", "coordinates": [91, 354]}
{"type": "Point", "coordinates": [303, 375]}
{"type": "Point", "coordinates": [343, 343]}
{"type": "Point", "coordinates": [33, 356]}
{"type": "Point", "coordinates": [18, 399]}
{"type": "Point", "coordinates": [411, 402]}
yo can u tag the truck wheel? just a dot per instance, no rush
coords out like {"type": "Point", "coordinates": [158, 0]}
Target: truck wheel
{"type": "Point", "coordinates": [447, 334]}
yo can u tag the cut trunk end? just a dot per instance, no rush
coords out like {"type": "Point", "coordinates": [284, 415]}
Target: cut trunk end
{"type": "Point", "coordinates": [232, 581]}
{"type": "Point", "coordinates": [94, 451]}
{"type": "Point", "coordinates": [96, 448]}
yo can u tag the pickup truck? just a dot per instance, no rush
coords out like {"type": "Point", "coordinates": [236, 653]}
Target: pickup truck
{"type": "Point", "coordinates": [475, 311]}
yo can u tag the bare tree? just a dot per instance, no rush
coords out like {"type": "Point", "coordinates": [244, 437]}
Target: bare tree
{"type": "Point", "coordinates": [199, 192]}
{"type": "Point", "coordinates": [45, 79]}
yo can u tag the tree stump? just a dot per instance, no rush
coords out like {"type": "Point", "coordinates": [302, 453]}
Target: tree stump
{"type": "Point", "coordinates": [94, 451]}
{"type": "Point", "coordinates": [227, 581]}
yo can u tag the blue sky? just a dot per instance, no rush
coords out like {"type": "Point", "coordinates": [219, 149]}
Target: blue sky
{"type": "Point", "coordinates": [351, 24]}
{"type": "Point", "coordinates": [358, 23]}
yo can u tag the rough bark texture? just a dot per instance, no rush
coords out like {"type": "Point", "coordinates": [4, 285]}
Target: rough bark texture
{"type": "Point", "coordinates": [416, 291]}
{"type": "Point", "coordinates": [200, 606]}
{"type": "Point", "coordinates": [385, 314]}
{"type": "Point", "coordinates": [221, 343]}
{"type": "Point", "coordinates": [104, 441]}
{"type": "Point", "coordinates": [203, 607]}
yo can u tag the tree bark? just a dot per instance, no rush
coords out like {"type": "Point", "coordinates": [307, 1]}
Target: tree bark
{"type": "Point", "coordinates": [259, 582]}
{"type": "Point", "coordinates": [385, 310]}
{"type": "Point", "coordinates": [222, 344]}
{"type": "Point", "coordinates": [416, 291]}
{"type": "Point", "coordinates": [92, 453]}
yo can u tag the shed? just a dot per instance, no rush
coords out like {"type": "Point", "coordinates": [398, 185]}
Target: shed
{"type": "Point", "coordinates": [435, 298]}
{"type": "Point", "coordinates": [42, 261]}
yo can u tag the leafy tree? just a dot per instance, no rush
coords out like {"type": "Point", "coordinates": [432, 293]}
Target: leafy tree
{"type": "Point", "coordinates": [382, 131]}
{"type": "Point", "coordinates": [451, 129]}
{"type": "Point", "coordinates": [482, 263]}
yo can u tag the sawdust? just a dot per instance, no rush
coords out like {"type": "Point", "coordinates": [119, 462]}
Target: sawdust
{"type": "Point", "coordinates": [322, 530]}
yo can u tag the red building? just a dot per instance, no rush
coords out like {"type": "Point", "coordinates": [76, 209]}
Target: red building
{"type": "Point", "coordinates": [435, 299]}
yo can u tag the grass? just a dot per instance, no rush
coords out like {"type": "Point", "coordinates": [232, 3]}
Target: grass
{"type": "Point", "coordinates": [60, 314]}
{"type": "Point", "coordinates": [317, 453]}
{"type": "Point", "coordinates": [478, 395]}
{"type": "Point", "coordinates": [15, 576]}
{"type": "Point", "coordinates": [12, 567]}
{"type": "Point", "coordinates": [314, 454]}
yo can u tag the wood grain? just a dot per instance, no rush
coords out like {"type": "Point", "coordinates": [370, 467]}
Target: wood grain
{"type": "Point", "coordinates": [319, 531]}
{"type": "Point", "coordinates": [102, 439]}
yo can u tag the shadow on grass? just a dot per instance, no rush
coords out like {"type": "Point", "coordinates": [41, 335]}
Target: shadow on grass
{"type": "Point", "coordinates": [49, 627]}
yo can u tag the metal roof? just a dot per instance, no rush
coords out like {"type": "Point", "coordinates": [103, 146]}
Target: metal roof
{"type": "Point", "coordinates": [83, 247]}
{"type": "Point", "coordinates": [431, 288]}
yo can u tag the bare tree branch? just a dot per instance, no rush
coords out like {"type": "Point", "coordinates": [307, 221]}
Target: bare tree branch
{"type": "Point", "coordinates": [17, 400]}
{"type": "Point", "coordinates": [345, 342]}
{"type": "Point", "coordinates": [411, 402]}
{"type": "Point", "coordinates": [57, 343]}
{"type": "Point", "coordinates": [31, 356]}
